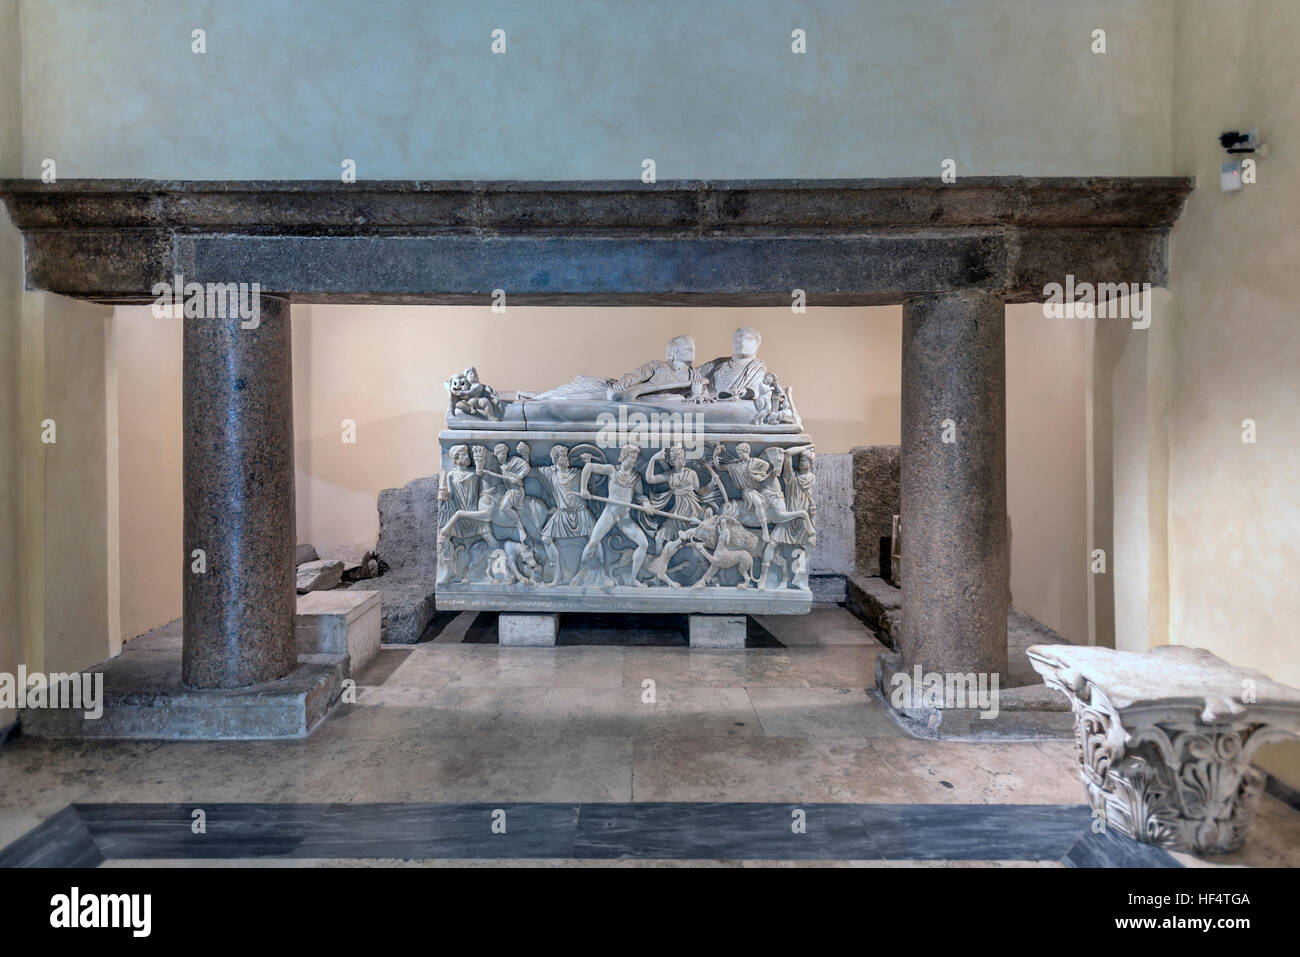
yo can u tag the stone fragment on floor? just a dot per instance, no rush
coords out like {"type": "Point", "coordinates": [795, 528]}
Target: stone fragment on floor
{"type": "Point", "coordinates": [358, 561]}
{"type": "Point", "coordinates": [319, 575]}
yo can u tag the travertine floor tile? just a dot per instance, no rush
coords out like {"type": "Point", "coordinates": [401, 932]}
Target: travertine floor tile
{"type": "Point", "coordinates": [489, 767]}
{"type": "Point", "coordinates": [963, 772]}
{"type": "Point", "coordinates": [580, 666]}
{"type": "Point", "coordinates": [821, 713]}
{"type": "Point", "coordinates": [759, 768]}
{"type": "Point", "coordinates": [824, 625]}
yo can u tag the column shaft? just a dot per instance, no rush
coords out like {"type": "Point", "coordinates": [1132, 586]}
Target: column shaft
{"type": "Point", "coordinates": [955, 561]}
{"type": "Point", "coordinates": [239, 499]}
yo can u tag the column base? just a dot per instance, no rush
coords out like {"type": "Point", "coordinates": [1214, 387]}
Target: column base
{"type": "Point", "coordinates": [143, 698]}
{"type": "Point", "coordinates": [718, 631]}
{"type": "Point", "coordinates": [527, 631]}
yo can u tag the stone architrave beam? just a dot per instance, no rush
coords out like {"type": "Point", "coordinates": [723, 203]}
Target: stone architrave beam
{"type": "Point", "coordinates": [746, 242]}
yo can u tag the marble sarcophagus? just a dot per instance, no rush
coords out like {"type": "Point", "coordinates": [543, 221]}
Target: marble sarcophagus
{"type": "Point", "coordinates": [672, 488]}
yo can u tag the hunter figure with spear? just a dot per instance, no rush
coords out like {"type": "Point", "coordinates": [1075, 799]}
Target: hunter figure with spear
{"type": "Point", "coordinates": [625, 494]}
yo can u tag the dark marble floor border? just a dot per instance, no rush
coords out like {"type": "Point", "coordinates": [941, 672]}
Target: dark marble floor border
{"type": "Point", "coordinates": [85, 835]}
{"type": "Point", "coordinates": [1282, 791]}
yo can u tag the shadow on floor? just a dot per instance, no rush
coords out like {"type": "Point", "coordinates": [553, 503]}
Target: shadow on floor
{"type": "Point", "coordinates": [623, 630]}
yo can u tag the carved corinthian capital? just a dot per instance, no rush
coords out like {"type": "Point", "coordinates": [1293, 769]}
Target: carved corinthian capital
{"type": "Point", "coordinates": [1165, 739]}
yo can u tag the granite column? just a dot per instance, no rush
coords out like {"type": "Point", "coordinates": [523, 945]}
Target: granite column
{"type": "Point", "coordinates": [955, 560]}
{"type": "Point", "coordinates": [239, 527]}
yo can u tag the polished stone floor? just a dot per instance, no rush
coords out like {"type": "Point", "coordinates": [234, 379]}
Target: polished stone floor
{"type": "Point", "coordinates": [453, 721]}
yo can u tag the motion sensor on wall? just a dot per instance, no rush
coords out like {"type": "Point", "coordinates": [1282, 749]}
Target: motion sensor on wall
{"type": "Point", "coordinates": [1237, 173]}
{"type": "Point", "coordinates": [1235, 142]}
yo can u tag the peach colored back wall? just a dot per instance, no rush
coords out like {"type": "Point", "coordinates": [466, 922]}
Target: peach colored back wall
{"type": "Point", "coordinates": [383, 367]}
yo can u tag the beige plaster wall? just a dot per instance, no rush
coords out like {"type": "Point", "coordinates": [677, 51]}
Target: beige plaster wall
{"type": "Point", "coordinates": [11, 260]}
{"type": "Point", "coordinates": [148, 352]}
{"type": "Point", "coordinates": [66, 492]}
{"type": "Point", "coordinates": [78, 513]}
{"type": "Point", "coordinates": [11, 116]}
{"type": "Point", "coordinates": [1047, 488]}
{"type": "Point", "coordinates": [383, 367]}
{"type": "Point", "coordinates": [1127, 566]}
{"type": "Point", "coordinates": [1234, 508]}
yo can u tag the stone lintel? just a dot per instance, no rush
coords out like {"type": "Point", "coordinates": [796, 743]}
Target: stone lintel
{"type": "Point", "coordinates": [323, 206]}
{"type": "Point", "coordinates": [845, 242]}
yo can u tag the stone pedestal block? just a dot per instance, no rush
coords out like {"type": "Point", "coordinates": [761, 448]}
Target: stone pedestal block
{"type": "Point", "coordinates": [340, 622]}
{"type": "Point", "coordinates": [955, 562]}
{"type": "Point", "coordinates": [718, 631]}
{"type": "Point", "coordinates": [527, 631]}
{"type": "Point", "coordinates": [237, 399]}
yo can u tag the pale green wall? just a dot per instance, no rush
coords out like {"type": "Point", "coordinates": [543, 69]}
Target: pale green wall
{"type": "Point", "coordinates": [11, 119]}
{"type": "Point", "coordinates": [410, 89]}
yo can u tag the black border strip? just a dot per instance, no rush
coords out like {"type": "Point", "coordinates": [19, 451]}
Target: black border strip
{"type": "Point", "coordinates": [84, 835]}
